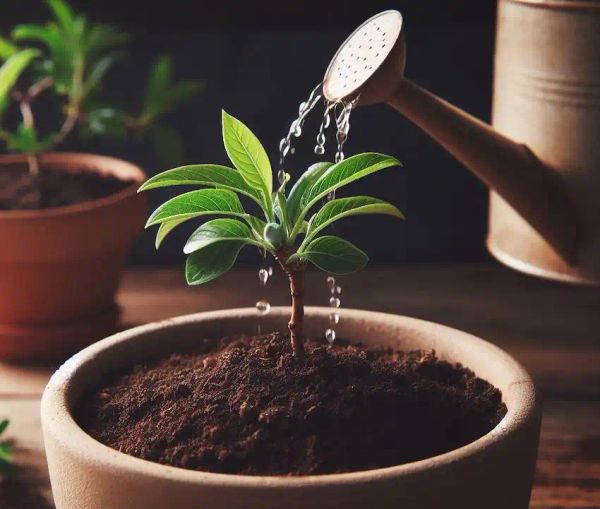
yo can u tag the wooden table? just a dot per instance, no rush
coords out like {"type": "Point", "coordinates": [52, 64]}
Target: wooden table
{"type": "Point", "coordinates": [554, 330]}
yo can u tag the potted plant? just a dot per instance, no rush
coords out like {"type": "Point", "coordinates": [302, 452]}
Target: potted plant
{"type": "Point", "coordinates": [199, 411]}
{"type": "Point", "coordinates": [67, 220]}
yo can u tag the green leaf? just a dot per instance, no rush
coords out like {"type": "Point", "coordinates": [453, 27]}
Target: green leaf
{"type": "Point", "coordinates": [3, 425]}
{"type": "Point", "coordinates": [211, 262]}
{"type": "Point", "coordinates": [107, 121]}
{"type": "Point", "coordinates": [46, 35]}
{"type": "Point", "coordinates": [60, 66]}
{"type": "Point", "coordinates": [334, 255]}
{"type": "Point", "coordinates": [346, 207]}
{"type": "Point", "coordinates": [179, 93]}
{"type": "Point", "coordinates": [203, 175]}
{"type": "Point", "coordinates": [345, 172]}
{"type": "Point", "coordinates": [219, 230]}
{"type": "Point", "coordinates": [5, 453]}
{"type": "Point", "coordinates": [306, 181]}
{"type": "Point", "coordinates": [25, 140]}
{"type": "Point", "coordinates": [62, 13]}
{"type": "Point", "coordinates": [12, 69]}
{"type": "Point", "coordinates": [281, 210]}
{"type": "Point", "coordinates": [159, 80]}
{"type": "Point", "coordinates": [98, 72]}
{"type": "Point", "coordinates": [257, 225]}
{"type": "Point", "coordinates": [165, 228]}
{"type": "Point", "coordinates": [168, 144]}
{"type": "Point", "coordinates": [248, 156]}
{"type": "Point", "coordinates": [7, 49]}
{"type": "Point", "coordinates": [198, 203]}
{"type": "Point", "coordinates": [104, 37]}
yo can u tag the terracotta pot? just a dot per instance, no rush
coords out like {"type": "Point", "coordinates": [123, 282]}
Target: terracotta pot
{"type": "Point", "coordinates": [494, 472]}
{"type": "Point", "coordinates": [60, 267]}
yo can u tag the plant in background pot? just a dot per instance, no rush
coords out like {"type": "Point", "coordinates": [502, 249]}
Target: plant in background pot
{"type": "Point", "coordinates": [67, 220]}
{"type": "Point", "coordinates": [199, 411]}
{"type": "Point", "coordinates": [5, 450]}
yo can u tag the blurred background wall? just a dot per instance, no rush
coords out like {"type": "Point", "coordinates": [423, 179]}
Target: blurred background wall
{"type": "Point", "coordinates": [259, 59]}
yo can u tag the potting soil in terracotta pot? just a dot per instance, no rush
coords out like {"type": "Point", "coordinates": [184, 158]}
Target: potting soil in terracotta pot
{"type": "Point", "coordinates": [23, 190]}
{"type": "Point", "coordinates": [64, 238]}
{"type": "Point", "coordinates": [246, 406]}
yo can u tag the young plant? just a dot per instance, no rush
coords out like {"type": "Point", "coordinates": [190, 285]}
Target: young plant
{"type": "Point", "coordinates": [5, 449]}
{"type": "Point", "coordinates": [71, 60]}
{"type": "Point", "coordinates": [293, 224]}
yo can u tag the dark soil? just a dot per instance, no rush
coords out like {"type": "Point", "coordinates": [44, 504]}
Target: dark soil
{"type": "Point", "coordinates": [21, 190]}
{"type": "Point", "coordinates": [248, 407]}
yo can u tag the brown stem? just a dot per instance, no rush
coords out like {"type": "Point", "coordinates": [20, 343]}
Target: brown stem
{"type": "Point", "coordinates": [296, 278]}
{"type": "Point", "coordinates": [29, 122]}
{"type": "Point", "coordinates": [295, 273]}
{"type": "Point", "coordinates": [69, 124]}
{"type": "Point", "coordinates": [38, 88]}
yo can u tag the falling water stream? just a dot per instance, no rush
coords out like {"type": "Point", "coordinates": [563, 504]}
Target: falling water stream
{"type": "Point", "coordinates": [340, 111]}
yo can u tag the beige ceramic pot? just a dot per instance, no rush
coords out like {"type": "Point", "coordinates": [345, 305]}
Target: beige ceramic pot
{"type": "Point", "coordinates": [60, 267]}
{"type": "Point", "coordinates": [494, 472]}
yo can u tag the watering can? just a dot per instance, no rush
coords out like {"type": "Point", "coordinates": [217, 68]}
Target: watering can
{"type": "Point", "coordinates": [541, 155]}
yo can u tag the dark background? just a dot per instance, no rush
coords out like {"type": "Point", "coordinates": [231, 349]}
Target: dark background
{"type": "Point", "coordinates": [260, 59]}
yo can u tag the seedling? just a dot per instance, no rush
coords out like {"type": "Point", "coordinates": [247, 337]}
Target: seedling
{"type": "Point", "coordinates": [5, 449]}
{"type": "Point", "coordinates": [293, 222]}
{"type": "Point", "coordinates": [71, 61]}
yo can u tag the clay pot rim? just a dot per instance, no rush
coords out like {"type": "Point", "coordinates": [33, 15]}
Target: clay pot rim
{"type": "Point", "coordinates": [60, 423]}
{"type": "Point", "coordinates": [89, 162]}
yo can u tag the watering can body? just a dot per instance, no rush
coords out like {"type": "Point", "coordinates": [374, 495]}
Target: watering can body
{"type": "Point", "coordinates": [547, 96]}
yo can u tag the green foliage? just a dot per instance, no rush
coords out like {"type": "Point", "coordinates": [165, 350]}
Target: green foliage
{"type": "Point", "coordinates": [334, 255]}
{"type": "Point", "coordinates": [5, 449]}
{"type": "Point", "coordinates": [285, 232]}
{"type": "Point", "coordinates": [250, 158]}
{"type": "Point", "coordinates": [7, 49]}
{"type": "Point", "coordinates": [10, 72]}
{"type": "Point", "coordinates": [72, 56]}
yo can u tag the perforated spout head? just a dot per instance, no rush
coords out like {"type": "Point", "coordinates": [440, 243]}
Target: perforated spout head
{"type": "Point", "coordinates": [370, 63]}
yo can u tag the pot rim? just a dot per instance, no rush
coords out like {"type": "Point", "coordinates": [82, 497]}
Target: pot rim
{"type": "Point", "coordinates": [90, 162]}
{"type": "Point", "coordinates": [54, 408]}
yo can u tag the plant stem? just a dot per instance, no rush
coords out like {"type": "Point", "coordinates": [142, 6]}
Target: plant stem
{"type": "Point", "coordinates": [25, 101]}
{"type": "Point", "coordinates": [295, 274]}
{"type": "Point", "coordinates": [38, 88]}
{"type": "Point", "coordinates": [29, 122]}
{"type": "Point", "coordinates": [296, 278]}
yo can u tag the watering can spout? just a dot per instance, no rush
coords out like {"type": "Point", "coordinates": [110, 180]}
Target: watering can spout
{"type": "Point", "coordinates": [532, 188]}
{"type": "Point", "coordinates": [543, 161]}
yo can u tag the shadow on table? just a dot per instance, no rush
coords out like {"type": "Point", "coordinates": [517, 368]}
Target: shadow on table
{"type": "Point", "coordinates": [23, 489]}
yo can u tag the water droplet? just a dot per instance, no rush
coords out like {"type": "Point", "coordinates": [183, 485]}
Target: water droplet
{"type": "Point", "coordinates": [334, 319]}
{"type": "Point", "coordinates": [330, 336]}
{"type": "Point", "coordinates": [336, 290]}
{"type": "Point", "coordinates": [281, 177]}
{"type": "Point", "coordinates": [263, 276]}
{"type": "Point", "coordinates": [335, 302]}
{"type": "Point", "coordinates": [270, 270]}
{"type": "Point", "coordinates": [339, 157]}
{"type": "Point", "coordinates": [331, 196]}
{"type": "Point", "coordinates": [330, 281]}
{"type": "Point", "coordinates": [263, 307]}
{"type": "Point", "coordinates": [319, 150]}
